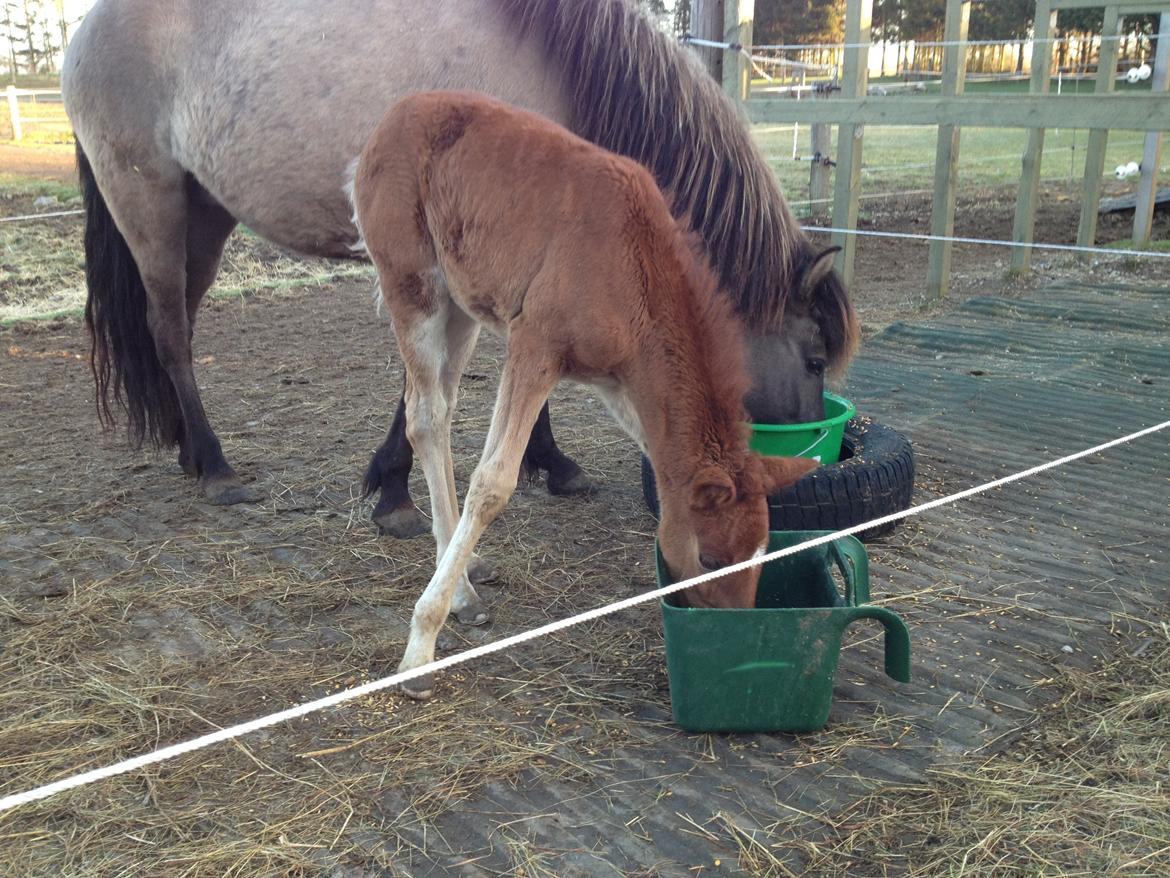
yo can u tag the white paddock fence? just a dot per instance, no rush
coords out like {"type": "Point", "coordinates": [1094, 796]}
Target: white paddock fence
{"type": "Point", "coordinates": [15, 95]}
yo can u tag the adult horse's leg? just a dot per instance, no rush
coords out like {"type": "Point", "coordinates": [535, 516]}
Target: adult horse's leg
{"type": "Point", "coordinates": [137, 272]}
{"type": "Point", "coordinates": [389, 472]}
{"type": "Point", "coordinates": [208, 228]}
{"type": "Point", "coordinates": [388, 475]}
{"type": "Point", "coordinates": [528, 377]}
{"type": "Point", "coordinates": [564, 476]}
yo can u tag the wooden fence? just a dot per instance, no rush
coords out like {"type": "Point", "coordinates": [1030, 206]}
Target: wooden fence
{"type": "Point", "coordinates": [852, 108]}
{"type": "Point", "coordinates": [19, 121]}
{"type": "Point", "coordinates": [917, 58]}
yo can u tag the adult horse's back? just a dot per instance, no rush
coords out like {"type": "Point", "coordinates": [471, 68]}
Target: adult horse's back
{"type": "Point", "coordinates": [194, 115]}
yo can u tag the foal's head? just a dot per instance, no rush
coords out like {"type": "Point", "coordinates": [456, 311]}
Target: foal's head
{"type": "Point", "coordinates": [719, 519]}
{"type": "Point", "coordinates": [714, 498]}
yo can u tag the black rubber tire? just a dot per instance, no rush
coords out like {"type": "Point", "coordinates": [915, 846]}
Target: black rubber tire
{"type": "Point", "coordinates": [874, 478]}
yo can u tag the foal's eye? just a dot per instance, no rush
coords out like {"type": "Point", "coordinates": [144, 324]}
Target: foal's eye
{"type": "Point", "coordinates": [709, 562]}
{"type": "Point", "coordinates": [815, 365]}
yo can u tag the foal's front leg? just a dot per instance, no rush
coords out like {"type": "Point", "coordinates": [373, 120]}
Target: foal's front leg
{"type": "Point", "coordinates": [524, 386]}
{"type": "Point", "coordinates": [388, 475]}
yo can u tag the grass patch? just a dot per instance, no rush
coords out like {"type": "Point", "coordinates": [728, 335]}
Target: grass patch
{"type": "Point", "coordinates": [900, 159]}
{"type": "Point", "coordinates": [1148, 246]}
{"type": "Point", "coordinates": [17, 186]}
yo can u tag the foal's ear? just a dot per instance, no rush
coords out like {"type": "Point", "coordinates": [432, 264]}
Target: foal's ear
{"type": "Point", "coordinates": [780, 472]}
{"type": "Point", "coordinates": [711, 489]}
{"type": "Point", "coordinates": [816, 271]}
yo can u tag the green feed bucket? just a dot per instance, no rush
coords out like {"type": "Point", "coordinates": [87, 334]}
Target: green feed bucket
{"type": "Point", "coordinates": [771, 669]}
{"type": "Point", "coordinates": [820, 440]}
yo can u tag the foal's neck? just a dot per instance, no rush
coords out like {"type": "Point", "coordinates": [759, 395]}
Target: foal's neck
{"type": "Point", "coordinates": [687, 386]}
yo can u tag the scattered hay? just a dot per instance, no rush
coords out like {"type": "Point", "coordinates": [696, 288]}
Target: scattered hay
{"type": "Point", "coordinates": [43, 264]}
{"type": "Point", "coordinates": [1080, 791]}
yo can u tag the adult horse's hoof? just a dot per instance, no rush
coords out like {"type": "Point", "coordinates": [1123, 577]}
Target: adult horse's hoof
{"type": "Point", "coordinates": [480, 571]}
{"type": "Point", "coordinates": [475, 614]}
{"type": "Point", "coordinates": [228, 493]}
{"type": "Point", "coordinates": [420, 688]}
{"type": "Point", "coordinates": [569, 482]}
{"type": "Point", "coordinates": [404, 522]}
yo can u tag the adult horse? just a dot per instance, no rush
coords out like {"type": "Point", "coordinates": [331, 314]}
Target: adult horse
{"type": "Point", "coordinates": [194, 115]}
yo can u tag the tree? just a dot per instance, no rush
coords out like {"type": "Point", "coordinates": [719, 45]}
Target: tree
{"type": "Point", "coordinates": [32, 35]}
{"type": "Point", "coordinates": [798, 21]}
{"type": "Point", "coordinates": [1008, 20]}
{"type": "Point", "coordinates": [682, 17]}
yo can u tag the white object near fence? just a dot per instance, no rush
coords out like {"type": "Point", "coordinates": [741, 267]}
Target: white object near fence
{"type": "Point", "coordinates": [14, 95]}
{"type": "Point", "coordinates": [14, 113]}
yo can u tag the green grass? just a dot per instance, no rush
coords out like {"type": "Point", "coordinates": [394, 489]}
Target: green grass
{"type": "Point", "coordinates": [15, 186]}
{"type": "Point", "coordinates": [901, 158]}
{"type": "Point", "coordinates": [1152, 246]}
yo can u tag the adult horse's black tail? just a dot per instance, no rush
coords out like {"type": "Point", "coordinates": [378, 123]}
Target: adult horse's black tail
{"type": "Point", "coordinates": [122, 353]}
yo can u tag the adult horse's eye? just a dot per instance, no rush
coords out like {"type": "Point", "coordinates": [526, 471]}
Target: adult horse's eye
{"type": "Point", "coordinates": [710, 562]}
{"type": "Point", "coordinates": [815, 365]}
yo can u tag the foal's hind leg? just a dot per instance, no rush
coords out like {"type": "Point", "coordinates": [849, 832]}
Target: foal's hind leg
{"type": "Point", "coordinates": [529, 376]}
{"type": "Point", "coordinates": [154, 213]}
{"type": "Point", "coordinates": [436, 349]}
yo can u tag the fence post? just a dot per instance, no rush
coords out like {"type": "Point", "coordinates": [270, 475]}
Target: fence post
{"type": "Point", "coordinates": [1024, 228]}
{"type": "Point", "coordinates": [14, 113]}
{"type": "Point", "coordinates": [1143, 215]}
{"type": "Point", "coordinates": [855, 78]}
{"type": "Point", "coordinates": [1099, 137]}
{"type": "Point", "coordinates": [818, 175]}
{"type": "Point", "coordinates": [737, 29]}
{"type": "Point", "coordinates": [707, 24]}
{"type": "Point", "coordinates": [946, 157]}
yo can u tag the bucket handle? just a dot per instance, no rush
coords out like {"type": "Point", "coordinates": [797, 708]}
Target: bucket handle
{"type": "Point", "coordinates": [897, 639]}
{"type": "Point", "coordinates": [853, 563]}
{"type": "Point", "coordinates": [822, 432]}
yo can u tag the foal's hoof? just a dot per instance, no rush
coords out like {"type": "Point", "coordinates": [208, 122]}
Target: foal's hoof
{"type": "Point", "coordinates": [228, 493]}
{"type": "Point", "coordinates": [474, 614]}
{"type": "Point", "coordinates": [575, 482]}
{"type": "Point", "coordinates": [403, 522]}
{"type": "Point", "coordinates": [481, 572]}
{"type": "Point", "coordinates": [420, 688]}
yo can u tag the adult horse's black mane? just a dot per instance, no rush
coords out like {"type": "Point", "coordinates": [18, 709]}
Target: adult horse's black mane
{"type": "Point", "coordinates": [636, 92]}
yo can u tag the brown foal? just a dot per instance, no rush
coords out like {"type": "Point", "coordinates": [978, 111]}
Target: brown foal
{"type": "Point", "coordinates": [476, 213]}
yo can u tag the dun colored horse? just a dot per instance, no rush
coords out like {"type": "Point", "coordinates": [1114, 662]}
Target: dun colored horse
{"type": "Point", "coordinates": [194, 115]}
{"type": "Point", "coordinates": [479, 214]}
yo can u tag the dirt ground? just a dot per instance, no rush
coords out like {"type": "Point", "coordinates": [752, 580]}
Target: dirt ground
{"type": "Point", "coordinates": [143, 616]}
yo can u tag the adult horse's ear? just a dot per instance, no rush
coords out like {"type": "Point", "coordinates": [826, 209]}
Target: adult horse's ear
{"type": "Point", "coordinates": [816, 271]}
{"type": "Point", "coordinates": [780, 472]}
{"type": "Point", "coordinates": [711, 490]}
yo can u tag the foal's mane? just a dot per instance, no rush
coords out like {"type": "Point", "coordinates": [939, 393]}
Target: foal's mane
{"type": "Point", "coordinates": [636, 92]}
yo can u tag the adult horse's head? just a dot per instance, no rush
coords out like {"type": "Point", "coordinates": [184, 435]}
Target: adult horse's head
{"type": "Point", "coordinates": [816, 338]}
{"type": "Point", "coordinates": [720, 519]}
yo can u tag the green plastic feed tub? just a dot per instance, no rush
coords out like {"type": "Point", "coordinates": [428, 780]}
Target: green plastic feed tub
{"type": "Point", "coordinates": [771, 669]}
{"type": "Point", "coordinates": [820, 440]}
